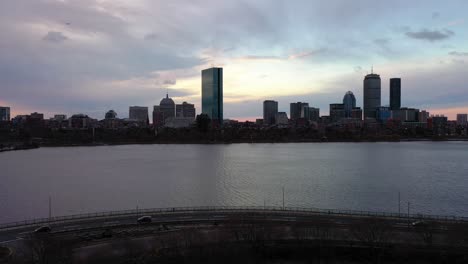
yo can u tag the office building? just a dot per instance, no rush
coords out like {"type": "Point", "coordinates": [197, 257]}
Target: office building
{"type": "Point", "coordinates": [405, 114]}
{"type": "Point", "coordinates": [158, 116]}
{"type": "Point", "coordinates": [395, 93]}
{"type": "Point", "coordinates": [423, 116]}
{"type": "Point", "coordinates": [4, 113]}
{"type": "Point", "coordinates": [349, 102]}
{"type": "Point", "coordinates": [462, 119]}
{"type": "Point", "coordinates": [383, 114]}
{"type": "Point", "coordinates": [439, 125]}
{"type": "Point", "coordinates": [282, 118]}
{"type": "Point", "coordinates": [185, 110]}
{"type": "Point", "coordinates": [356, 113]}
{"type": "Point", "coordinates": [372, 94]}
{"type": "Point", "coordinates": [270, 109]}
{"type": "Point", "coordinates": [297, 110]}
{"type": "Point", "coordinates": [337, 112]}
{"type": "Point", "coordinates": [314, 114]}
{"type": "Point", "coordinates": [212, 94]}
{"type": "Point", "coordinates": [79, 121]}
{"type": "Point", "coordinates": [138, 113]}
{"type": "Point", "coordinates": [57, 122]}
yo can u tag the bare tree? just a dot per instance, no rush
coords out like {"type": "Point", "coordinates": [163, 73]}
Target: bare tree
{"type": "Point", "coordinates": [375, 233]}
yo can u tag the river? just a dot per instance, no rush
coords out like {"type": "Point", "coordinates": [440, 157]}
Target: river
{"type": "Point", "coordinates": [431, 176]}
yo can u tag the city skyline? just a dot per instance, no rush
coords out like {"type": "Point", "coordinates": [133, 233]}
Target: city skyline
{"type": "Point", "coordinates": [213, 86]}
{"type": "Point", "coordinates": [67, 57]}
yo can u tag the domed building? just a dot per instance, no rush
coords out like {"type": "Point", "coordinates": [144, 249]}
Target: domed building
{"type": "Point", "coordinates": [349, 102]}
{"type": "Point", "coordinates": [111, 114]}
{"type": "Point", "coordinates": [167, 107]}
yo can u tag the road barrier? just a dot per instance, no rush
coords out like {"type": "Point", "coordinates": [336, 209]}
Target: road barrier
{"type": "Point", "coordinates": [232, 209]}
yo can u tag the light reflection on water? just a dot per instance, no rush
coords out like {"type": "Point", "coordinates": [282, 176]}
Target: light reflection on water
{"type": "Point", "coordinates": [360, 176]}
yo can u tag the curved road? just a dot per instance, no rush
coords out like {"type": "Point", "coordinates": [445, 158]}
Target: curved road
{"type": "Point", "coordinates": [13, 232]}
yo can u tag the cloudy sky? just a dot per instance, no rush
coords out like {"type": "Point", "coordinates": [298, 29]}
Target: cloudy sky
{"type": "Point", "coordinates": [89, 56]}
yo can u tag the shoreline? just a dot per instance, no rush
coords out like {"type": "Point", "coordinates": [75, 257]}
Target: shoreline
{"type": "Point", "coordinates": [96, 144]}
{"type": "Point", "coordinates": [247, 142]}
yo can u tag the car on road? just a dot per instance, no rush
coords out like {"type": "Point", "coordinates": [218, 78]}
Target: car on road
{"type": "Point", "coordinates": [419, 224]}
{"type": "Point", "coordinates": [42, 229]}
{"type": "Point", "coordinates": [144, 219]}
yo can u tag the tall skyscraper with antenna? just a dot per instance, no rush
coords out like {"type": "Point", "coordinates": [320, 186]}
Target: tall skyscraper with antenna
{"type": "Point", "coordinates": [372, 94]}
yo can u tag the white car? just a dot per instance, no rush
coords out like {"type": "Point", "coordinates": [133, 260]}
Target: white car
{"type": "Point", "coordinates": [144, 219]}
{"type": "Point", "coordinates": [43, 229]}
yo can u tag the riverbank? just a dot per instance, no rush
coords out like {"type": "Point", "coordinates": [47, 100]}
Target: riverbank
{"type": "Point", "coordinates": [209, 142]}
{"type": "Point", "coordinates": [18, 146]}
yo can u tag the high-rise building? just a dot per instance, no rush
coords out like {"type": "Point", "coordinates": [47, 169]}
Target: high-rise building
{"type": "Point", "coordinates": [337, 112]}
{"type": "Point", "coordinates": [185, 110]}
{"type": "Point", "coordinates": [349, 102]}
{"type": "Point", "coordinates": [167, 107]}
{"type": "Point", "coordinates": [270, 109]}
{"type": "Point", "coordinates": [297, 110]}
{"type": "Point", "coordinates": [314, 114]}
{"type": "Point", "coordinates": [462, 119]}
{"type": "Point", "coordinates": [395, 93]}
{"type": "Point", "coordinates": [372, 96]}
{"type": "Point", "coordinates": [139, 113]}
{"type": "Point", "coordinates": [4, 113]}
{"type": "Point", "coordinates": [212, 94]}
{"type": "Point", "coordinates": [158, 116]}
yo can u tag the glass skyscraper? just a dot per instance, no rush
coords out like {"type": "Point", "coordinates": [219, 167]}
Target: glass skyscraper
{"type": "Point", "coordinates": [349, 103]}
{"type": "Point", "coordinates": [212, 93]}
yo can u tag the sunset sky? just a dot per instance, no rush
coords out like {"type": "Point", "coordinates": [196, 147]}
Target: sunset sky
{"type": "Point", "coordinates": [90, 56]}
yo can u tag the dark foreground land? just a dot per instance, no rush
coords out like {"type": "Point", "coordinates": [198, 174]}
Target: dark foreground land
{"type": "Point", "coordinates": [246, 237]}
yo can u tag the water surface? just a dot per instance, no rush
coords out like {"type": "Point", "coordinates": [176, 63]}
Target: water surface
{"type": "Point", "coordinates": [432, 176]}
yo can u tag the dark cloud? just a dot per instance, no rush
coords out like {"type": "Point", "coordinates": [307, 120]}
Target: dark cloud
{"type": "Point", "coordinates": [430, 35]}
{"type": "Point", "coordinates": [170, 82]}
{"type": "Point", "coordinates": [459, 54]}
{"type": "Point", "coordinates": [55, 37]}
{"type": "Point", "coordinates": [435, 15]}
